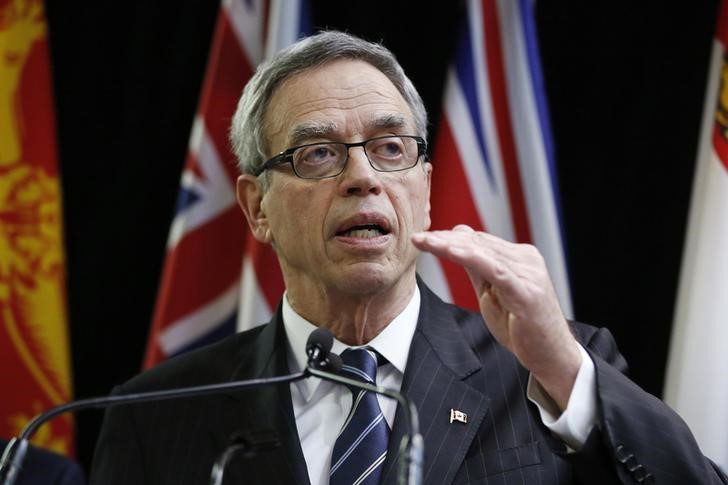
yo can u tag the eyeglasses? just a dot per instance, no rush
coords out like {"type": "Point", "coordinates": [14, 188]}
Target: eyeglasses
{"type": "Point", "coordinates": [328, 159]}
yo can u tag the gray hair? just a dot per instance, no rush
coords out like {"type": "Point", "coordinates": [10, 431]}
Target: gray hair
{"type": "Point", "coordinates": [247, 129]}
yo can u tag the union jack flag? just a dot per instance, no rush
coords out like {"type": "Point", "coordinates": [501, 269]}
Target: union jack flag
{"type": "Point", "coordinates": [493, 156]}
{"type": "Point", "coordinates": [213, 265]}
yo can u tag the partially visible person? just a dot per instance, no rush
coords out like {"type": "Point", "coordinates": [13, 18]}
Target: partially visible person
{"type": "Point", "coordinates": [331, 140]}
{"type": "Point", "coordinates": [43, 467]}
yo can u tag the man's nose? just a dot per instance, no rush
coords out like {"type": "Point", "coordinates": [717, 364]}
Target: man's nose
{"type": "Point", "coordinates": [359, 177]}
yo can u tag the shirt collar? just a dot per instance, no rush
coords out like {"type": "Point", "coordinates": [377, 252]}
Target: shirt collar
{"type": "Point", "coordinates": [388, 343]}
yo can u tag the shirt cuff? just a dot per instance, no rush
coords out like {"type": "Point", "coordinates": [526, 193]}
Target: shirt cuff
{"type": "Point", "coordinates": [576, 422]}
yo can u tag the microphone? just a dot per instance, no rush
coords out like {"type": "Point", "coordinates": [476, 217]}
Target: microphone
{"type": "Point", "coordinates": [12, 459]}
{"type": "Point", "coordinates": [318, 349]}
{"type": "Point", "coordinates": [324, 364]}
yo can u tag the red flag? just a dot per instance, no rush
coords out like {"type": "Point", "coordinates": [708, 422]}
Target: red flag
{"type": "Point", "coordinates": [494, 145]}
{"type": "Point", "coordinates": [216, 277]}
{"type": "Point", "coordinates": [34, 350]}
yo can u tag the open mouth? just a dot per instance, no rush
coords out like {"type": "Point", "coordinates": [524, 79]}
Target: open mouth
{"type": "Point", "coordinates": [364, 231]}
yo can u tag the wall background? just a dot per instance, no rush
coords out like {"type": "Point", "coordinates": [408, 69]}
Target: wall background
{"type": "Point", "coordinates": [625, 80]}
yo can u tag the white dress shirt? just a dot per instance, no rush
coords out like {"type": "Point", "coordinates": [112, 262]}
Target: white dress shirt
{"type": "Point", "coordinates": [321, 407]}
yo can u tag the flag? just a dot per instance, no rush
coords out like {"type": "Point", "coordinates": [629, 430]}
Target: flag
{"type": "Point", "coordinates": [696, 383]}
{"type": "Point", "coordinates": [493, 158]}
{"type": "Point", "coordinates": [216, 277]}
{"type": "Point", "coordinates": [34, 347]}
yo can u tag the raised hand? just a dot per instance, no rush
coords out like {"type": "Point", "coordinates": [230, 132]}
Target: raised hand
{"type": "Point", "coordinates": [517, 301]}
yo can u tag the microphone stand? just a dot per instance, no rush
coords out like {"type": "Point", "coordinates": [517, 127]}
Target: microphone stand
{"type": "Point", "coordinates": [320, 358]}
{"type": "Point", "coordinates": [246, 442]}
{"type": "Point", "coordinates": [12, 459]}
{"type": "Point", "coordinates": [411, 446]}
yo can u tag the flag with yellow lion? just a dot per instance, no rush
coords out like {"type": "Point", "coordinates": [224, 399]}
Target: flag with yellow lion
{"type": "Point", "coordinates": [34, 351]}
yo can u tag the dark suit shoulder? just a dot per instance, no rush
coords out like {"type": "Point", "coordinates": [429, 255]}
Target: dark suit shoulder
{"type": "Point", "coordinates": [46, 467]}
{"type": "Point", "coordinates": [583, 332]}
{"type": "Point", "coordinates": [600, 342]}
{"type": "Point", "coordinates": [209, 364]}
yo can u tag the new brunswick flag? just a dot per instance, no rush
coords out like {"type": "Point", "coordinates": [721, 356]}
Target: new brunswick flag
{"type": "Point", "coordinates": [34, 351]}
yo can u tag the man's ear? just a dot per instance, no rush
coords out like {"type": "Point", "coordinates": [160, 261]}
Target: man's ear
{"type": "Point", "coordinates": [250, 197]}
{"type": "Point", "coordinates": [428, 173]}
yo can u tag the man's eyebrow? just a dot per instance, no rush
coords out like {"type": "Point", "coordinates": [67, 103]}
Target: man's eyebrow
{"type": "Point", "coordinates": [306, 131]}
{"type": "Point", "coordinates": [303, 132]}
{"type": "Point", "coordinates": [389, 121]}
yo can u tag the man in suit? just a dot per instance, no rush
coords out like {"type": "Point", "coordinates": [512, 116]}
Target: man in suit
{"type": "Point", "coordinates": [330, 137]}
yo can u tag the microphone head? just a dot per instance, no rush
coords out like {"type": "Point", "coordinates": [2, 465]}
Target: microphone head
{"type": "Point", "coordinates": [318, 349]}
{"type": "Point", "coordinates": [319, 342]}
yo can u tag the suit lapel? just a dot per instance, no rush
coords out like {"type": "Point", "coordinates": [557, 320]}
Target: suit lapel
{"type": "Point", "coordinates": [440, 359]}
{"type": "Point", "coordinates": [267, 410]}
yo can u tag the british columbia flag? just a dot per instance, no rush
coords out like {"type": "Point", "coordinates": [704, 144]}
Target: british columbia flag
{"type": "Point", "coordinates": [217, 279]}
{"type": "Point", "coordinates": [493, 156]}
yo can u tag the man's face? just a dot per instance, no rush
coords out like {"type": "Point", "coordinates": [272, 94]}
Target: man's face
{"type": "Point", "coordinates": [350, 233]}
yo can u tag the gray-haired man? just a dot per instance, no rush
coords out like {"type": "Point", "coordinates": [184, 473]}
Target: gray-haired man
{"type": "Point", "coordinates": [330, 136]}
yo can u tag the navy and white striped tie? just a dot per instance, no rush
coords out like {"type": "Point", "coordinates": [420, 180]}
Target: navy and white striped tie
{"type": "Point", "coordinates": [361, 447]}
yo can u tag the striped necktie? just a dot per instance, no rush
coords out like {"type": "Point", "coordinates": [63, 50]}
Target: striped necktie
{"type": "Point", "coordinates": [361, 447]}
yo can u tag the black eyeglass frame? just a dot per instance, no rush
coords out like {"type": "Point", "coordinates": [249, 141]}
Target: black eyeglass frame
{"type": "Point", "coordinates": [286, 156]}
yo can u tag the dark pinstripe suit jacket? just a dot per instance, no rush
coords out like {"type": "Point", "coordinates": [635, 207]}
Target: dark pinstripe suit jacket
{"type": "Point", "coordinates": [454, 363]}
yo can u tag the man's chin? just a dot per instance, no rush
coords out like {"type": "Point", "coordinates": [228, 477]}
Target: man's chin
{"type": "Point", "coordinates": [368, 278]}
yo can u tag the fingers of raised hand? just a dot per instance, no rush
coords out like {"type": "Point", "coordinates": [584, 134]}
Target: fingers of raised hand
{"type": "Point", "coordinates": [517, 271]}
{"type": "Point", "coordinates": [465, 237]}
{"type": "Point", "coordinates": [492, 256]}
